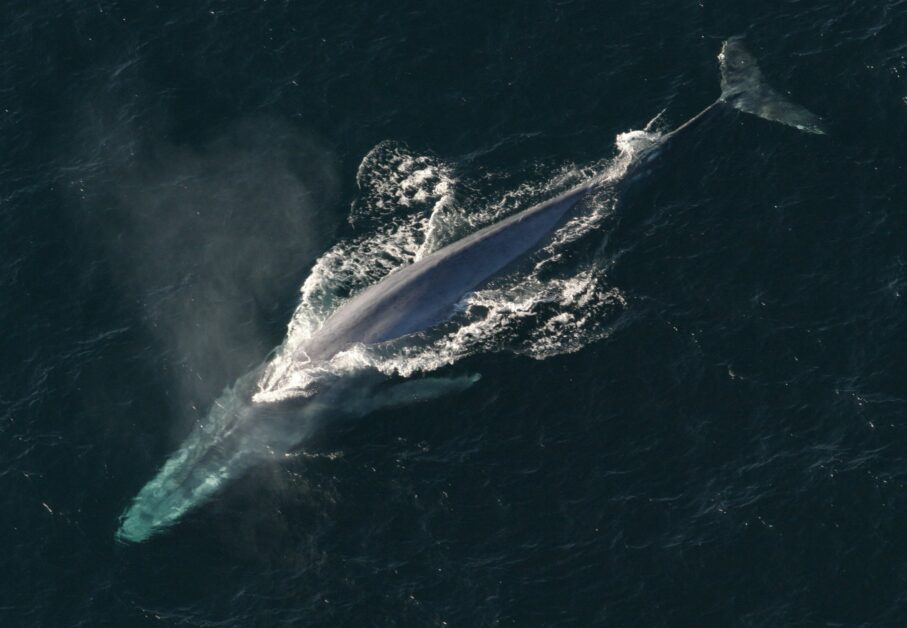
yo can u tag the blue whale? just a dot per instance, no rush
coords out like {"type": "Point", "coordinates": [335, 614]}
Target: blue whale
{"type": "Point", "coordinates": [412, 299]}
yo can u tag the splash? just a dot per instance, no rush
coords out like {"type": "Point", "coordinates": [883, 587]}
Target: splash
{"type": "Point", "coordinates": [413, 205]}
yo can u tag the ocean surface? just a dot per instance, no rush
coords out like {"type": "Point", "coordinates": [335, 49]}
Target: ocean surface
{"type": "Point", "coordinates": [689, 408]}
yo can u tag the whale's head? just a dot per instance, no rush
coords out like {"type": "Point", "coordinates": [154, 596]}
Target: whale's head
{"type": "Point", "coordinates": [215, 451]}
{"type": "Point", "coordinates": [236, 434]}
{"type": "Point", "coordinates": [239, 433]}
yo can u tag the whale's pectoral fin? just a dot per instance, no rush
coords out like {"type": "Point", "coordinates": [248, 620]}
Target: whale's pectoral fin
{"type": "Point", "coordinates": [425, 389]}
{"type": "Point", "coordinates": [743, 88]}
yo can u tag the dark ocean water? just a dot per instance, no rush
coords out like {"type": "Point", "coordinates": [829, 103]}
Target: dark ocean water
{"type": "Point", "coordinates": [726, 447]}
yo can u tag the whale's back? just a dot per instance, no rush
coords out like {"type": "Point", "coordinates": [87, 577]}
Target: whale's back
{"type": "Point", "coordinates": [424, 293]}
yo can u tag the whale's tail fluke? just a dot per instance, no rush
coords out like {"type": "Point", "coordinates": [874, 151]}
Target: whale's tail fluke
{"type": "Point", "coordinates": [743, 87]}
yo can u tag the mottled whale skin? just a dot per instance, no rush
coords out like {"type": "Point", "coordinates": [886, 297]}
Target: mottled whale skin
{"type": "Point", "coordinates": [425, 293]}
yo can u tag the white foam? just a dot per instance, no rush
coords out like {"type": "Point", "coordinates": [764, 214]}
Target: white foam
{"type": "Point", "coordinates": [411, 205]}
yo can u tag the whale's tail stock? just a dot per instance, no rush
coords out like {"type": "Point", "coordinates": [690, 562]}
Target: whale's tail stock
{"type": "Point", "coordinates": [743, 87]}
